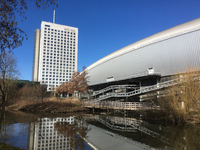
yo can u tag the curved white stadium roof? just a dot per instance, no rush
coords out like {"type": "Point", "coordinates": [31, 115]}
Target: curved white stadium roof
{"type": "Point", "coordinates": [166, 34]}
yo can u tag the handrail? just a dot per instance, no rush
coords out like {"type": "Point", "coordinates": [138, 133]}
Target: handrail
{"type": "Point", "coordinates": [113, 87]}
{"type": "Point", "coordinates": [141, 90]}
{"type": "Point", "coordinates": [119, 105]}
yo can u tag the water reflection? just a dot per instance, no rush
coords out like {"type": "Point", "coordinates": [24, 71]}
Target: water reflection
{"type": "Point", "coordinates": [59, 133]}
{"type": "Point", "coordinates": [146, 135]}
{"type": "Point", "coordinates": [13, 134]}
{"type": "Point", "coordinates": [76, 132]}
{"type": "Point", "coordinates": [85, 132]}
{"type": "Point", "coordinates": [64, 133]}
{"type": "Point", "coordinates": [45, 136]}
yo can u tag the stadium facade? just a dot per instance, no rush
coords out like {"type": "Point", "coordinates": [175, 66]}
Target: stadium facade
{"type": "Point", "coordinates": [151, 60]}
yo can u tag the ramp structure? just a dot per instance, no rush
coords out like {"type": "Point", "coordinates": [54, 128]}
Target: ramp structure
{"type": "Point", "coordinates": [112, 91]}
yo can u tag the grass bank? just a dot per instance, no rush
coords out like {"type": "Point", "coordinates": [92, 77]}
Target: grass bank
{"type": "Point", "coordinates": [49, 105]}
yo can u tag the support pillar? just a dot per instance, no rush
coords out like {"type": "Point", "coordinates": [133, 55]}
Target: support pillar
{"type": "Point", "coordinates": [125, 112]}
{"type": "Point", "coordinates": [125, 123]}
{"type": "Point", "coordinates": [140, 84]}
{"type": "Point", "coordinates": [182, 105]}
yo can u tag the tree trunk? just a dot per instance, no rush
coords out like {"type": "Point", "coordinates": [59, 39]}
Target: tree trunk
{"type": "Point", "coordinates": [3, 97]}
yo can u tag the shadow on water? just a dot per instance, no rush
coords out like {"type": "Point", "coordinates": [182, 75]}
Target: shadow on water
{"type": "Point", "coordinates": [85, 132]}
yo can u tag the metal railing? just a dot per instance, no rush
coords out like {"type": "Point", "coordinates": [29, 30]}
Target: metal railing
{"type": "Point", "coordinates": [114, 87]}
{"type": "Point", "coordinates": [119, 105]}
{"type": "Point", "coordinates": [140, 91]}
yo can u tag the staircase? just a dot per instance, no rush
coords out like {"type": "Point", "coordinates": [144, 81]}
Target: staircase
{"type": "Point", "coordinates": [136, 91]}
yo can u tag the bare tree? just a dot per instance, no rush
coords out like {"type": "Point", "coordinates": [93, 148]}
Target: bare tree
{"type": "Point", "coordinates": [65, 88]}
{"type": "Point", "coordinates": [41, 91]}
{"type": "Point", "coordinates": [11, 36]}
{"type": "Point", "coordinates": [8, 73]}
{"type": "Point", "coordinates": [79, 79]}
{"type": "Point", "coordinates": [62, 89]}
{"type": "Point", "coordinates": [27, 92]}
{"type": "Point", "coordinates": [33, 92]}
{"type": "Point", "coordinates": [79, 83]}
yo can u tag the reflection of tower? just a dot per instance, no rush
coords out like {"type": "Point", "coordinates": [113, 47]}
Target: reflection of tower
{"type": "Point", "coordinates": [46, 137]}
{"type": "Point", "coordinates": [31, 136]}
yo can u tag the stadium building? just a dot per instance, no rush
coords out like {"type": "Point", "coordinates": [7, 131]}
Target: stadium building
{"type": "Point", "coordinates": [145, 63]}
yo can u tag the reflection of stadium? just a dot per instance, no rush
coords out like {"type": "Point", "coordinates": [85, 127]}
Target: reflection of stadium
{"type": "Point", "coordinates": [116, 138]}
{"type": "Point", "coordinates": [44, 136]}
{"type": "Point", "coordinates": [147, 62]}
{"type": "Point", "coordinates": [112, 140]}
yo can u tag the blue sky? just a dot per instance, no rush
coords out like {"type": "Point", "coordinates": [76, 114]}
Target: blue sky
{"type": "Point", "coordinates": [104, 25]}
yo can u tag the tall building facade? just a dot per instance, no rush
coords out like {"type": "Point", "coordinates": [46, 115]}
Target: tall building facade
{"type": "Point", "coordinates": [55, 54]}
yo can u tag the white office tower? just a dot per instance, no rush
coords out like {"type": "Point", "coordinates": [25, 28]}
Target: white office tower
{"type": "Point", "coordinates": [55, 54]}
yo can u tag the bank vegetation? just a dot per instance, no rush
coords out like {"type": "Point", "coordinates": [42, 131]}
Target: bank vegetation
{"type": "Point", "coordinates": [180, 102]}
{"type": "Point", "coordinates": [32, 96]}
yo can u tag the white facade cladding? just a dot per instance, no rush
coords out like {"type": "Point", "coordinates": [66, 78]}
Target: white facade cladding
{"type": "Point", "coordinates": [36, 51]}
{"type": "Point", "coordinates": [167, 52]}
{"type": "Point", "coordinates": [57, 54]}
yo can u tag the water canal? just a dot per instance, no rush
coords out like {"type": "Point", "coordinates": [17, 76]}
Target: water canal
{"type": "Point", "coordinates": [89, 131]}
